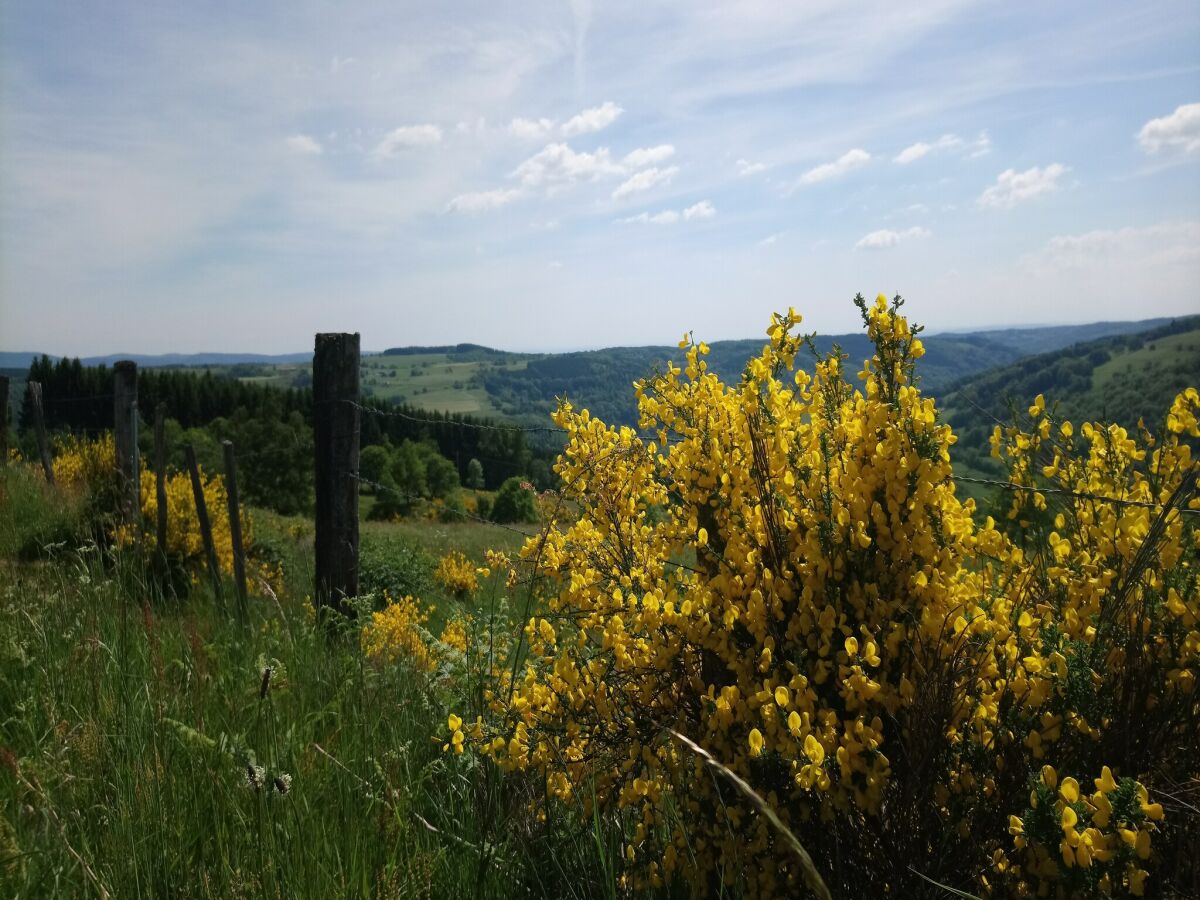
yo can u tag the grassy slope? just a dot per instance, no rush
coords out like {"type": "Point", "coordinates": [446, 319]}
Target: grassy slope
{"type": "Point", "coordinates": [128, 722]}
{"type": "Point", "coordinates": [1112, 379]}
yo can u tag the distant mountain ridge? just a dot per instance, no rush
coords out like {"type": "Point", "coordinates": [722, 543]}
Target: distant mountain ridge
{"type": "Point", "coordinates": [1025, 340]}
{"type": "Point", "coordinates": [22, 360]}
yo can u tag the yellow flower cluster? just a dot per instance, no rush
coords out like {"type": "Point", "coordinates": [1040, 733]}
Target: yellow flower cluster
{"type": "Point", "coordinates": [1086, 844]}
{"type": "Point", "coordinates": [456, 574]}
{"type": "Point", "coordinates": [396, 633]}
{"type": "Point", "coordinates": [454, 635]}
{"type": "Point", "coordinates": [80, 463]}
{"type": "Point", "coordinates": [183, 528]}
{"type": "Point", "coordinates": [787, 576]}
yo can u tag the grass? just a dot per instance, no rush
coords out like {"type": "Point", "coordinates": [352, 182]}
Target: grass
{"type": "Point", "coordinates": [132, 722]}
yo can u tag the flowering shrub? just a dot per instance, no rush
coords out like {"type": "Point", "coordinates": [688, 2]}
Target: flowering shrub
{"type": "Point", "coordinates": [456, 574]}
{"type": "Point", "coordinates": [787, 576]}
{"type": "Point", "coordinates": [183, 529]}
{"type": "Point", "coordinates": [396, 633]}
{"type": "Point", "coordinates": [79, 463]}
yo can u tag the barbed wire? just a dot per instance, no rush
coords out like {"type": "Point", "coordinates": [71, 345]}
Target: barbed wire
{"type": "Point", "coordinates": [1063, 492]}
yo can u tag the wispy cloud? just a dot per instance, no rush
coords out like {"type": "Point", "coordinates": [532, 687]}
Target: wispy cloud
{"type": "Point", "coordinates": [702, 210]}
{"type": "Point", "coordinates": [407, 137]}
{"type": "Point", "coordinates": [648, 156]}
{"type": "Point", "coordinates": [303, 145]}
{"type": "Point", "coordinates": [1164, 243]}
{"type": "Point", "coordinates": [531, 129]}
{"type": "Point", "coordinates": [946, 143]}
{"type": "Point", "coordinates": [1179, 131]}
{"type": "Point", "coordinates": [482, 201]}
{"type": "Point", "coordinates": [595, 119]}
{"type": "Point", "coordinates": [645, 180]}
{"type": "Point", "coordinates": [557, 165]}
{"type": "Point", "coordinates": [886, 237]}
{"type": "Point", "coordinates": [745, 168]}
{"type": "Point", "coordinates": [1013, 187]}
{"type": "Point", "coordinates": [847, 162]}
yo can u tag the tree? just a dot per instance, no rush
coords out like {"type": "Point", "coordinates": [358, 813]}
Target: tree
{"type": "Point", "coordinates": [514, 502]}
{"type": "Point", "coordinates": [474, 478]}
{"type": "Point", "coordinates": [372, 461]}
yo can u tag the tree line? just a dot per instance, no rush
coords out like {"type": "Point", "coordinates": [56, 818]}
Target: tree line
{"type": "Point", "coordinates": [272, 428]}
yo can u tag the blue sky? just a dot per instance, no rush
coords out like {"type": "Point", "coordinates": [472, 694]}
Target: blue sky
{"type": "Point", "coordinates": [220, 176]}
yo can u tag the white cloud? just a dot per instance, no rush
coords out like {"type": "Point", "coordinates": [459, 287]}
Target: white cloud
{"type": "Point", "coordinates": [1013, 187]}
{"type": "Point", "coordinates": [886, 237]}
{"type": "Point", "coordinates": [745, 167]}
{"type": "Point", "coordinates": [648, 156]}
{"type": "Point", "coordinates": [947, 142]}
{"type": "Point", "coordinates": [594, 119]}
{"type": "Point", "coordinates": [771, 239]}
{"type": "Point", "coordinates": [981, 146]}
{"type": "Point", "coordinates": [1167, 242]}
{"type": "Point", "coordinates": [482, 201]}
{"type": "Point", "coordinates": [557, 165]}
{"type": "Point", "coordinates": [303, 145]}
{"type": "Point", "coordinates": [1178, 131]}
{"type": "Point", "coordinates": [701, 210]}
{"type": "Point", "coordinates": [847, 162]}
{"type": "Point", "coordinates": [531, 129]}
{"type": "Point", "coordinates": [644, 180]}
{"type": "Point", "coordinates": [406, 137]}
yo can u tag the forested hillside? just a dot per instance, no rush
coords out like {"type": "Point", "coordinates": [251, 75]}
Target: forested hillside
{"type": "Point", "coordinates": [1119, 379]}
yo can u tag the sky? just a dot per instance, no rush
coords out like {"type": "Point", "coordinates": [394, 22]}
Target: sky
{"type": "Point", "coordinates": [215, 176]}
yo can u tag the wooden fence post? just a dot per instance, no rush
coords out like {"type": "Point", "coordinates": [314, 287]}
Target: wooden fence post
{"type": "Point", "coordinates": [3, 421]}
{"type": "Point", "coordinates": [125, 422]}
{"type": "Point", "coordinates": [160, 477]}
{"type": "Point", "coordinates": [235, 526]}
{"type": "Point", "coordinates": [210, 551]}
{"type": "Point", "coordinates": [39, 427]}
{"type": "Point", "coordinates": [336, 424]}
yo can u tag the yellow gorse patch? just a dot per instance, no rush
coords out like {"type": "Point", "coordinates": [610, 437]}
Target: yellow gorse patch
{"type": "Point", "coordinates": [787, 576]}
{"type": "Point", "coordinates": [456, 574]}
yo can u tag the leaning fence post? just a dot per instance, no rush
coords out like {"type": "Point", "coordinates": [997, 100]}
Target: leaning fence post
{"type": "Point", "coordinates": [39, 428]}
{"type": "Point", "coordinates": [235, 526]}
{"type": "Point", "coordinates": [205, 526]}
{"type": "Point", "coordinates": [160, 477]}
{"type": "Point", "coordinates": [3, 421]}
{"type": "Point", "coordinates": [125, 422]}
{"type": "Point", "coordinates": [335, 438]}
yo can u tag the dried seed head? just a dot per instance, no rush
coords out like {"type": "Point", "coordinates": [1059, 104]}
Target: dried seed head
{"type": "Point", "coordinates": [266, 682]}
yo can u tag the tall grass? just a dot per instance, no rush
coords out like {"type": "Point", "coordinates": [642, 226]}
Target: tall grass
{"type": "Point", "coordinates": [145, 748]}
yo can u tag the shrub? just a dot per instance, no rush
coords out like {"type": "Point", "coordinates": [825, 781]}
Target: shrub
{"type": "Point", "coordinates": [393, 565]}
{"type": "Point", "coordinates": [514, 502]}
{"type": "Point", "coordinates": [913, 693]}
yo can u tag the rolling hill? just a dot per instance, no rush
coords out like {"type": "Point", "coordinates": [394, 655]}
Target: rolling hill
{"type": "Point", "coordinates": [1120, 378]}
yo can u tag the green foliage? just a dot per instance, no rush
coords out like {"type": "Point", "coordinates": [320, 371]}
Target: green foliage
{"type": "Point", "coordinates": [474, 479]}
{"type": "Point", "coordinates": [372, 461]}
{"type": "Point", "coordinates": [393, 564]}
{"type": "Point", "coordinates": [514, 502]}
{"type": "Point", "coordinates": [33, 517]}
{"type": "Point", "coordinates": [1113, 379]}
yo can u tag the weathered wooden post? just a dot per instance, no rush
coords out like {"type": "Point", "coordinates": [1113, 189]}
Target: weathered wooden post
{"type": "Point", "coordinates": [235, 526]}
{"type": "Point", "coordinates": [3, 421]}
{"type": "Point", "coordinates": [39, 427]}
{"type": "Point", "coordinates": [125, 424]}
{"type": "Point", "coordinates": [336, 424]}
{"type": "Point", "coordinates": [210, 551]}
{"type": "Point", "coordinates": [160, 477]}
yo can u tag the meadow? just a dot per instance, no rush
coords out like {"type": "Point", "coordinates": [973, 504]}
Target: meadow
{"type": "Point", "coordinates": [760, 646]}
